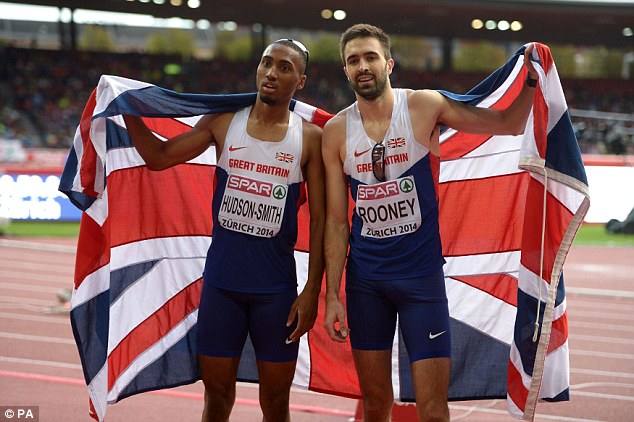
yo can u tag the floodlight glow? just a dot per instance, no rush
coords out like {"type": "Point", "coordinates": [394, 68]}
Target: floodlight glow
{"type": "Point", "coordinates": [83, 16]}
{"type": "Point", "coordinates": [203, 24]}
{"type": "Point", "coordinates": [503, 25]}
{"type": "Point", "coordinates": [627, 32]}
{"type": "Point", "coordinates": [257, 27]}
{"type": "Point", "coordinates": [65, 15]}
{"type": "Point", "coordinates": [490, 25]}
{"type": "Point", "coordinates": [477, 24]}
{"type": "Point", "coordinates": [516, 26]}
{"type": "Point", "coordinates": [158, 1]}
{"type": "Point", "coordinates": [176, 2]}
{"type": "Point", "coordinates": [17, 12]}
{"type": "Point", "coordinates": [227, 26]}
{"type": "Point", "coordinates": [193, 4]}
{"type": "Point", "coordinates": [176, 23]}
{"type": "Point", "coordinates": [339, 15]}
{"type": "Point", "coordinates": [326, 14]}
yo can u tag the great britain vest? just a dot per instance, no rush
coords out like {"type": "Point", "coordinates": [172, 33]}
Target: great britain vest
{"type": "Point", "coordinates": [395, 232]}
{"type": "Point", "coordinates": [258, 188]}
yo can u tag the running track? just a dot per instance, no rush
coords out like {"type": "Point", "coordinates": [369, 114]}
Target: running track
{"type": "Point", "coordinates": [39, 365]}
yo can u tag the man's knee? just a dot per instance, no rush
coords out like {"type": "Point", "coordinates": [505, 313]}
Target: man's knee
{"type": "Point", "coordinates": [435, 411]}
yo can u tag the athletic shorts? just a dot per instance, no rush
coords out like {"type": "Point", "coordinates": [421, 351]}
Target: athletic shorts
{"type": "Point", "coordinates": [226, 317]}
{"type": "Point", "coordinates": [421, 306]}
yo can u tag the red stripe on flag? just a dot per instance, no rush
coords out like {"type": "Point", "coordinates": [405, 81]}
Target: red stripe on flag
{"type": "Point", "coordinates": [320, 117]}
{"type": "Point", "coordinates": [516, 390]}
{"type": "Point", "coordinates": [461, 143]}
{"type": "Point", "coordinates": [482, 216]}
{"type": "Point", "coordinates": [303, 221]}
{"type": "Point", "coordinates": [558, 333]}
{"type": "Point", "coordinates": [545, 56]}
{"type": "Point", "coordinates": [558, 218]}
{"type": "Point", "coordinates": [331, 366]}
{"type": "Point", "coordinates": [150, 331]}
{"type": "Point", "coordinates": [166, 127]}
{"type": "Point", "coordinates": [88, 159]}
{"type": "Point", "coordinates": [93, 251]}
{"type": "Point", "coordinates": [502, 286]}
{"type": "Point", "coordinates": [140, 191]}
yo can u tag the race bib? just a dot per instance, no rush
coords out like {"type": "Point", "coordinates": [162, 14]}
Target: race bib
{"type": "Point", "coordinates": [252, 206]}
{"type": "Point", "coordinates": [389, 209]}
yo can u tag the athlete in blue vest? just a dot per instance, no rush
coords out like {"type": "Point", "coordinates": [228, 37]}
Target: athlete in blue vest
{"type": "Point", "coordinates": [265, 153]}
{"type": "Point", "coordinates": [385, 147]}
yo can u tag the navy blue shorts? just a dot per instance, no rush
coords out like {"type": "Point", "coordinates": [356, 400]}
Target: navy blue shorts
{"type": "Point", "coordinates": [226, 317]}
{"type": "Point", "coordinates": [421, 306]}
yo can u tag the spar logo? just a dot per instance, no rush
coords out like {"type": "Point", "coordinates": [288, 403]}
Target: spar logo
{"type": "Point", "coordinates": [406, 185]}
{"type": "Point", "coordinates": [253, 186]}
{"type": "Point", "coordinates": [383, 190]}
{"type": "Point", "coordinates": [279, 192]}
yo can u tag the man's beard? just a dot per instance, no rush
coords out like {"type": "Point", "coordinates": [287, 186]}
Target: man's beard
{"type": "Point", "coordinates": [371, 92]}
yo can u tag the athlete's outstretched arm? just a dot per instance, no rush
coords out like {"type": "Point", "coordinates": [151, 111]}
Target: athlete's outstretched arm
{"type": "Point", "coordinates": [158, 154]}
{"type": "Point", "coordinates": [306, 304]}
{"type": "Point", "coordinates": [470, 119]}
{"type": "Point", "coordinates": [337, 231]}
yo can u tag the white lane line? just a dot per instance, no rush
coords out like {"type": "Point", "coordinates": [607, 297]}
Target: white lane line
{"type": "Point", "coordinates": [28, 288]}
{"type": "Point", "coordinates": [600, 373]}
{"type": "Point", "coordinates": [602, 339]}
{"type": "Point", "coordinates": [49, 247]}
{"type": "Point", "coordinates": [35, 318]}
{"type": "Point", "coordinates": [538, 416]}
{"type": "Point", "coordinates": [605, 314]}
{"type": "Point", "coordinates": [40, 362]}
{"type": "Point", "coordinates": [42, 339]}
{"type": "Point", "coordinates": [587, 291]}
{"type": "Point", "coordinates": [601, 354]}
{"type": "Point", "coordinates": [600, 326]}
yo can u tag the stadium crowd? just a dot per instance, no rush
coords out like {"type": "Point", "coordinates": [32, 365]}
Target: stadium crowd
{"type": "Point", "coordinates": [43, 92]}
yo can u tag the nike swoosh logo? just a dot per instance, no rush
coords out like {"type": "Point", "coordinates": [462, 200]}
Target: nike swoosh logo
{"type": "Point", "coordinates": [359, 154]}
{"type": "Point", "coordinates": [232, 148]}
{"type": "Point", "coordinates": [433, 336]}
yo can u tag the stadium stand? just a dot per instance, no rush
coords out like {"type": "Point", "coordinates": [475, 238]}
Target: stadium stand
{"type": "Point", "coordinates": [44, 91]}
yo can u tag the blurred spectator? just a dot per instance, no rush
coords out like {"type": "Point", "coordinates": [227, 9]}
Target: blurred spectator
{"type": "Point", "coordinates": [44, 91]}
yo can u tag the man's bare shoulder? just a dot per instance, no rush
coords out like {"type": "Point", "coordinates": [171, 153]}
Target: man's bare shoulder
{"type": "Point", "coordinates": [209, 121]}
{"type": "Point", "coordinates": [423, 97]}
{"type": "Point", "coordinates": [335, 124]}
{"type": "Point", "coordinates": [311, 130]}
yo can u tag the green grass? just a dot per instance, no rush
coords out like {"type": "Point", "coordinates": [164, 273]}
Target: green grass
{"type": "Point", "coordinates": [596, 234]}
{"type": "Point", "coordinates": [41, 229]}
{"type": "Point", "coordinates": [592, 234]}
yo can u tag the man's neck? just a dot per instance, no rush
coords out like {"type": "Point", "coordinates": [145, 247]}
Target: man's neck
{"type": "Point", "coordinates": [378, 109]}
{"type": "Point", "coordinates": [266, 114]}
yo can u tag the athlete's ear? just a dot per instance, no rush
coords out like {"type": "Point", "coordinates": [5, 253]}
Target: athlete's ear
{"type": "Point", "coordinates": [390, 66]}
{"type": "Point", "coordinates": [346, 72]}
{"type": "Point", "coordinates": [301, 83]}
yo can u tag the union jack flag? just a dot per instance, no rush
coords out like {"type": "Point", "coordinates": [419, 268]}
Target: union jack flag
{"type": "Point", "coordinates": [396, 143]}
{"type": "Point", "coordinates": [282, 156]}
{"type": "Point", "coordinates": [510, 207]}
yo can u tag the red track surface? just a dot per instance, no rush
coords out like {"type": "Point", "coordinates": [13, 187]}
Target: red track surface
{"type": "Point", "coordinates": [39, 365]}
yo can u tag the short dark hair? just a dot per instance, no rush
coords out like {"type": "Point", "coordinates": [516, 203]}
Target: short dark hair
{"type": "Point", "coordinates": [365, 30]}
{"type": "Point", "coordinates": [297, 46]}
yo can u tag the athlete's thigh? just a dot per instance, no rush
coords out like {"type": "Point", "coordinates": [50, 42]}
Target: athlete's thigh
{"type": "Point", "coordinates": [222, 323]}
{"type": "Point", "coordinates": [423, 316]}
{"type": "Point", "coordinates": [267, 326]}
{"type": "Point", "coordinates": [431, 381]}
{"type": "Point", "coordinates": [374, 369]}
{"type": "Point", "coordinates": [371, 315]}
{"type": "Point", "coordinates": [275, 379]}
